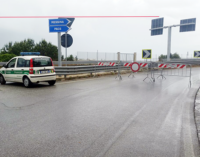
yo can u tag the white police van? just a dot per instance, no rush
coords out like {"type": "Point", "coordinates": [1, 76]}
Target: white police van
{"type": "Point", "coordinates": [28, 68]}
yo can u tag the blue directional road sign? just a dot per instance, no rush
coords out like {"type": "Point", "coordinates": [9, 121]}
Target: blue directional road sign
{"type": "Point", "coordinates": [189, 25]}
{"type": "Point", "coordinates": [157, 23]}
{"type": "Point", "coordinates": [146, 54]}
{"type": "Point", "coordinates": [58, 25]}
{"type": "Point", "coordinates": [58, 22]}
{"type": "Point", "coordinates": [71, 21]}
{"type": "Point", "coordinates": [58, 29]}
{"type": "Point", "coordinates": [197, 54]}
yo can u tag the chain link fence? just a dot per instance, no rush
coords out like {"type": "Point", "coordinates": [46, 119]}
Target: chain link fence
{"type": "Point", "coordinates": [154, 58]}
{"type": "Point", "coordinates": [129, 57]}
{"type": "Point", "coordinates": [104, 56]}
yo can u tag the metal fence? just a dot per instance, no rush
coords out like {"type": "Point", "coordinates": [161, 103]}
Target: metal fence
{"type": "Point", "coordinates": [170, 69]}
{"type": "Point", "coordinates": [104, 56]}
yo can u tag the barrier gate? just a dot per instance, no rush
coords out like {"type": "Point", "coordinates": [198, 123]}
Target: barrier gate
{"type": "Point", "coordinates": [156, 68]}
{"type": "Point", "coordinates": [169, 69]}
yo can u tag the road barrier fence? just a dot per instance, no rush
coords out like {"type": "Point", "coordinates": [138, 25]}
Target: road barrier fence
{"type": "Point", "coordinates": [169, 69]}
{"type": "Point", "coordinates": [174, 67]}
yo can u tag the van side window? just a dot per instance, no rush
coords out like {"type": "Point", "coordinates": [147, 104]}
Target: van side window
{"type": "Point", "coordinates": [11, 64]}
{"type": "Point", "coordinates": [22, 62]}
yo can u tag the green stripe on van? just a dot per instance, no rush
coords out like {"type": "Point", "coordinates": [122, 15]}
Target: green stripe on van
{"type": "Point", "coordinates": [19, 72]}
{"type": "Point", "coordinates": [2, 71]}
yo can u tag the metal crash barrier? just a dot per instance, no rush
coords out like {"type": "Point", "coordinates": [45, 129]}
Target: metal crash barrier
{"type": "Point", "coordinates": [73, 70]}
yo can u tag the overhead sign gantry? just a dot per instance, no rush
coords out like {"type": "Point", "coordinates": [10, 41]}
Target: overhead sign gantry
{"type": "Point", "coordinates": [186, 25]}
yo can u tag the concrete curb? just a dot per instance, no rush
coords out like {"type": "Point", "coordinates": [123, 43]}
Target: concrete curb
{"type": "Point", "coordinates": [197, 112]}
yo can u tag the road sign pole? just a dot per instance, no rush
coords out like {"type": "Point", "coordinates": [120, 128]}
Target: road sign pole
{"type": "Point", "coordinates": [66, 45]}
{"type": "Point", "coordinates": [134, 57]}
{"type": "Point", "coordinates": [97, 55]}
{"type": "Point", "coordinates": [59, 49]}
{"type": "Point", "coordinates": [169, 44]}
{"type": "Point", "coordinates": [119, 62]}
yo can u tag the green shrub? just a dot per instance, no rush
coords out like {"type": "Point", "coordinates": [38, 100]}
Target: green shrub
{"type": "Point", "coordinates": [6, 57]}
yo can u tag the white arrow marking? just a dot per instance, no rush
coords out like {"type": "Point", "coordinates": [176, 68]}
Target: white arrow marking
{"type": "Point", "coordinates": [68, 21]}
{"type": "Point", "coordinates": [198, 53]}
{"type": "Point", "coordinates": [147, 54]}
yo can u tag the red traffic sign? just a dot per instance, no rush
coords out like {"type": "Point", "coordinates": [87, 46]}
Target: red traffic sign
{"type": "Point", "coordinates": [135, 67]}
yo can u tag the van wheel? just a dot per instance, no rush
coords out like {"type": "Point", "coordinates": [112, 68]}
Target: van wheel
{"type": "Point", "coordinates": [27, 82]}
{"type": "Point", "coordinates": [2, 80]}
{"type": "Point", "coordinates": [51, 83]}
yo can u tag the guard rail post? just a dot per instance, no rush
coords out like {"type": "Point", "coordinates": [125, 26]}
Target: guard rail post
{"type": "Point", "coordinates": [190, 75]}
{"type": "Point", "coordinates": [152, 71]}
{"type": "Point", "coordinates": [95, 70]}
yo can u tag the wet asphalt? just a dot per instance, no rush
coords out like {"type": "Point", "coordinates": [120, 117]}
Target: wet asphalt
{"type": "Point", "coordinates": [100, 117]}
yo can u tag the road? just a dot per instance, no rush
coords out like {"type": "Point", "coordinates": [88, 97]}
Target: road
{"type": "Point", "coordinates": [100, 117]}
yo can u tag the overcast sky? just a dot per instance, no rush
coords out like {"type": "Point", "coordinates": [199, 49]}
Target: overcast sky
{"type": "Point", "coordinates": [125, 35]}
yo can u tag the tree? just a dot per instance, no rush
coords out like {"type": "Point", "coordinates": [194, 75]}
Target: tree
{"type": "Point", "coordinates": [6, 57]}
{"type": "Point", "coordinates": [47, 49]}
{"type": "Point", "coordinates": [162, 57]}
{"type": "Point", "coordinates": [172, 56]}
{"type": "Point", "coordinates": [17, 47]}
{"type": "Point", "coordinates": [28, 45]}
{"type": "Point", "coordinates": [176, 55]}
{"type": "Point", "coordinates": [70, 58]}
{"type": "Point", "coordinates": [7, 48]}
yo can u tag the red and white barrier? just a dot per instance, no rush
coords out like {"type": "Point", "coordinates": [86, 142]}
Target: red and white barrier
{"type": "Point", "coordinates": [100, 63]}
{"type": "Point", "coordinates": [143, 65]}
{"type": "Point", "coordinates": [112, 63]}
{"type": "Point", "coordinates": [127, 64]}
{"type": "Point", "coordinates": [106, 63]}
{"type": "Point", "coordinates": [179, 66]}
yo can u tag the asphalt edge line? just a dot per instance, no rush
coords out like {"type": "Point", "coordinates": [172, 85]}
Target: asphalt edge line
{"type": "Point", "coordinates": [197, 114]}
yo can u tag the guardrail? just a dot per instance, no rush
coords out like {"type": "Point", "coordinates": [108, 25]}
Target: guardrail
{"type": "Point", "coordinates": [73, 70]}
{"type": "Point", "coordinates": [2, 63]}
{"type": "Point", "coordinates": [85, 62]}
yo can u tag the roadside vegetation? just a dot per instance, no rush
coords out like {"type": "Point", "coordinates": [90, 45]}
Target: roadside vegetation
{"type": "Point", "coordinates": [11, 50]}
{"type": "Point", "coordinates": [70, 58]}
{"type": "Point", "coordinates": [172, 56]}
{"type": "Point", "coordinates": [45, 48]}
{"type": "Point", "coordinates": [6, 57]}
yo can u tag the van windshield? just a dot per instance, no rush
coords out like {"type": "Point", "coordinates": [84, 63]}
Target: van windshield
{"type": "Point", "coordinates": [42, 62]}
